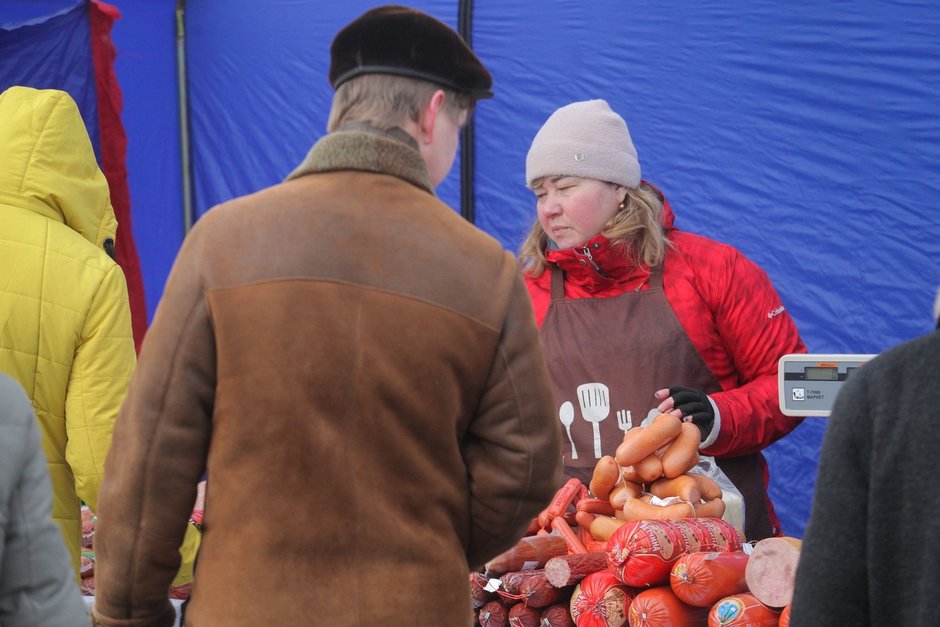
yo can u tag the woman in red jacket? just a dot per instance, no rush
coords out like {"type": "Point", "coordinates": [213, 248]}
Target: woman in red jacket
{"type": "Point", "coordinates": [638, 317]}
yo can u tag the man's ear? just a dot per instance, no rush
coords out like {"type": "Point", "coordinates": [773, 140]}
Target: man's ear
{"type": "Point", "coordinates": [428, 117]}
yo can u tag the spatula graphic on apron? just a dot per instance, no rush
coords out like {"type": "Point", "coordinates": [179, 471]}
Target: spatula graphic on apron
{"type": "Point", "coordinates": [595, 406]}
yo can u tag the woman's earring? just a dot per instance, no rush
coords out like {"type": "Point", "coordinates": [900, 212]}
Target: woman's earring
{"type": "Point", "coordinates": [623, 204]}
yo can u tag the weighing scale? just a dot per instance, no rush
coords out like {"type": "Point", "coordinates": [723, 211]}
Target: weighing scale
{"type": "Point", "coordinates": [808, 383]}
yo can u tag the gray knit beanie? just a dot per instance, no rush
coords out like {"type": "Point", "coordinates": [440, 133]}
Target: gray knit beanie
{"type": "Point", "coordinates": [584, 139]}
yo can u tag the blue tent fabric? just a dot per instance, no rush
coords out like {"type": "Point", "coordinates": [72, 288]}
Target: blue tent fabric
{"type": "Point", "coordinates": [51, 44]}
{"type": "Point", "coordinates": [146, 68]}
{"type": "Point", "coordinates": [805, 135]}
{"type": "Point", "coordinates": [47, 46]}
{"type": "Point", "coordinates": [280, 115]}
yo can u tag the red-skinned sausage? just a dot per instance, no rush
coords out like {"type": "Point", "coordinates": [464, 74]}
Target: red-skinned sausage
{"type": "Point", "coordinates": [660, 607]}
{"type": "Point", "coordinates": [701, 579]}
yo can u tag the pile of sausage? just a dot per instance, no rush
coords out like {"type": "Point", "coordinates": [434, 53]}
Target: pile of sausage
{"type": "Point", "coordinates": [650, 477]}
{"type": "Point", "coordinates": [644, 545]}
{"type": "Point", "coordinates": [654, 573]}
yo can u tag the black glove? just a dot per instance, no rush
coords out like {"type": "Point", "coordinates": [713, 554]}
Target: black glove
{"type": "Point", "coordinates": [694, 404]}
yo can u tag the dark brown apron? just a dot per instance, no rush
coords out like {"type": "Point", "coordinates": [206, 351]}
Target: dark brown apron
{"type": "Point", "coordinates": [607, 357]}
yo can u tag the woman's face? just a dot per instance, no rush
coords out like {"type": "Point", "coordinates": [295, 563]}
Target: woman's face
{"type": "Point", "coordinates": [572, 210]}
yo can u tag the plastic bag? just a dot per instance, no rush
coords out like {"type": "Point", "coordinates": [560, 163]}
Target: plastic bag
{"type": "Point", "coordinates": [734, 502]}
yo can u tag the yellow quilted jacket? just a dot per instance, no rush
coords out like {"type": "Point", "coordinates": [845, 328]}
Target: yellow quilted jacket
{"type": "Point", "coordinates": [65, 323]}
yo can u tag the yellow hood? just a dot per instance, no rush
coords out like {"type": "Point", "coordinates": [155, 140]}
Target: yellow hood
{"type": "Point", "coordinates": [47, 163]}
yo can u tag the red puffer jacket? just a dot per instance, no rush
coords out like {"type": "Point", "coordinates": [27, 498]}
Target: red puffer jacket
{"type": "Point", "coordinates": [729, 309]}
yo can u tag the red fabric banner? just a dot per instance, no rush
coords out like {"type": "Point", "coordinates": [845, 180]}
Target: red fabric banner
{"type": "Point", "coordinates": [113, 156]}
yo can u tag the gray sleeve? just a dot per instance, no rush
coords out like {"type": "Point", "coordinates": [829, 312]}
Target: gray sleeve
{"type": "Point", "coordinates": [37, 582]}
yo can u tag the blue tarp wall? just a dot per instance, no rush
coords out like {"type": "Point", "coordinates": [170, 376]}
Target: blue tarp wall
{"type": "Point", "coordinates": [805, 134]}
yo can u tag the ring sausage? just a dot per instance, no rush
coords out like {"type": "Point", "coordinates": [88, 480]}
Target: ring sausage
{"type": "Point", "coordinates": [640, 509]}
{"type": "Point", "coordinates": [682, 453]}
{"type": "Point", "coordinates": [683, 486]}
{"type": "Point", "coordinates": [596, 506]}
{"type": "Point", "coordinates": [650, 468]}
{"type": "Point", "coordinates": [629, 474]}
{"type": "Point", "coordinates": [604, 526]}
{"type": "Point", "coordinates": [605, 477]}
{"type": "Point", "coordinates": [663, 429]}
{"type": "Point", "coordinates": [707, 486]}
{"type": "Point", "coordinates": [623, 492]}
{"type": "Point", "coordinates": [714, 508]}
{"type": "Point", "coordinates": [584, 519]}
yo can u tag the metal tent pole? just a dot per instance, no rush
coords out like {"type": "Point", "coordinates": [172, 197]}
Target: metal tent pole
{"type": "Point", "coordinates": [467, 156]}
{"type": "Point", "coordinates": [184, 114]}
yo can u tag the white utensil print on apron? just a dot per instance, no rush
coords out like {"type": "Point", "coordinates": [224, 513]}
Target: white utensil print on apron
{"type": "Point", "coordinates": [566, 415]}
{"type": "Point", "coordinates": [624, 420]}
{"type": "Point", "coordinates": [595, 406]}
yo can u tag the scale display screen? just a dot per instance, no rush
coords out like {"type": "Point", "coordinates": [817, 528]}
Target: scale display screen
{"type": "Point", "coordinates": [821, 373]}
{"type": "Point", "coordinates": [808, 383]}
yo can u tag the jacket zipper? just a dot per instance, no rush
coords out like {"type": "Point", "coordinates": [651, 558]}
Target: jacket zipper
{"type": "Point", "coordinates": [587, 253]}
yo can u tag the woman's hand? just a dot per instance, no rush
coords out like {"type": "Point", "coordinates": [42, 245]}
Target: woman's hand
{"type": "Point", "coordinates": [689, 404]}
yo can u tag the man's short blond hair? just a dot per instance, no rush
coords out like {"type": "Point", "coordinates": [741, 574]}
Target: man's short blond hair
{"type": "Point", "coordinates": [386, 101]}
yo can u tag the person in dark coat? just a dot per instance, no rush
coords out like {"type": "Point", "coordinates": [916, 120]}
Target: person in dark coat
{"type": "Point", "coordinates": [870, 554]}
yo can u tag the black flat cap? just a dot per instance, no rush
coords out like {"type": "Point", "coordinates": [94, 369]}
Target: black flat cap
{"type": "Point", "coordinates": [394, 39]}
